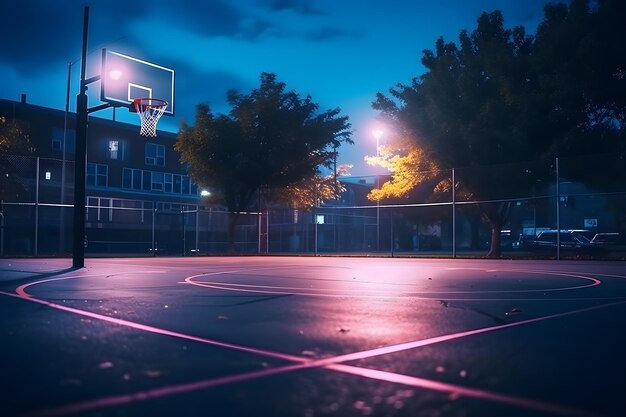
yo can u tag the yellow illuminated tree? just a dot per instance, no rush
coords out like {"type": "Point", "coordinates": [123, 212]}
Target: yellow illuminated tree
{"type": "Point", "coordinates": [311, 192]}
{"type": "Point", "coordinates": [408, 165]}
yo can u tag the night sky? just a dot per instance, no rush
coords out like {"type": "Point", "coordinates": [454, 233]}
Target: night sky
{"type": "Point", "coordinates": [341, 52]}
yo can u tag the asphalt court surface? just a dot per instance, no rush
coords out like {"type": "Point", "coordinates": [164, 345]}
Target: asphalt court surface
{"type": "Point", "coordinates": [312, 336]}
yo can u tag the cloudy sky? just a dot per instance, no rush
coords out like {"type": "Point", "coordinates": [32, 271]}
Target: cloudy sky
{"type": "Point", "coordinates": [341, 52]}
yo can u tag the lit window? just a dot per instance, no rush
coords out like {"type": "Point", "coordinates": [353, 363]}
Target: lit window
{"type": "Point", "coordinates": [114, 147]}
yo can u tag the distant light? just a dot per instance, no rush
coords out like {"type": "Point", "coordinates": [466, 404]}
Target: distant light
{"type": "Point", "coordinates": [377, 133]}
{"type": "Point", "coordinates": [48, 175]}
{"type": "Point", "coordinates": [205, 193]}
{"type": "Point", "coordinates": [115, 74]}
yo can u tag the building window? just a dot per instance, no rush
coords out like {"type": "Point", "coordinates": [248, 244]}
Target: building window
{"type": "Point", "coordinates": [143, 180]}
{"type": "Point", "coordinates": [127, 178]}
{"type": "Point", "coordinates": [97, 175]}
{"type": "Point", "coordinates": [155, 154]}
{"type": "Point", "coordinates": [58, 134]}
{"type": "Point", "coordinates": [114, 147]}
{"type": "Point", "coordinates": [157, 181]}
{"type": "Point", "coordinates": [117, 150]}
{"type": "Point", "coordinates": [167, 183]}
{"type": "Point", "coordinates": [177, 184]}
{"type": "Point", "coordinates": [147, 180]}
{"type": "Point", "coordinates": [137, 179]}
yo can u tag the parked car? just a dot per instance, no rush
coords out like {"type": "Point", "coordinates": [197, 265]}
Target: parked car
{"type": "Point", "coordinates": [606, 238]}
{"type": "Point", "coordinates": [570, 240]}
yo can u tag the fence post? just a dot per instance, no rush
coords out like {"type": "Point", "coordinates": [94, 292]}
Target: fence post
{"type": "Point", "coordinates": [197, 229]}
{"type": "Point", "coordinates": [558, 212]}
{"type": "Point", "coordinates": [1, 228]}
{"type": "Point", "coordinates": [182, 213]}
{"type": "Point", "coordinates": [391, 226]}
{"type": "Point", "coordinates": [37, 208]}
{"type": "Point", "coordinates": [315, 230]}
{"type": "Point", "coordinates": [267, 232]}
{"type": "Point", "coordinates": [453, 214]}
{"type": "Point", "coordinates": [154, 211]}
{"type": "Point", "coordinates": [259, 220]}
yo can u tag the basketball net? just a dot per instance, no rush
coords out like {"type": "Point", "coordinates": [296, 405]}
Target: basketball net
{"type": "Point", "coordinates": [150, 111]}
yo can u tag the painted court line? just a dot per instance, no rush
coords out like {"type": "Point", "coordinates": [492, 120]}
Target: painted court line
{"type": "Point", "coordinates": [146, 395]}
{"type": "Point", "coordinates": [461, 391]}
{"type": "Point", "coordinates": [451, 389]}
{"type": "Point", "coordinates": [340, 292]}
{"type": "Point", "coordinates": [156, 330]}
{"type": "Point", "coordinates": [303, 363]}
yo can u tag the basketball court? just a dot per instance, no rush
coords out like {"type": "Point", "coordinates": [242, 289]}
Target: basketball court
{"type": "Point", "coordinates": [312, 336]}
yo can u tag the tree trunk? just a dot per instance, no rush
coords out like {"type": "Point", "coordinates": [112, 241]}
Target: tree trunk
{"type": "Point", "coordinates": [496, 217]}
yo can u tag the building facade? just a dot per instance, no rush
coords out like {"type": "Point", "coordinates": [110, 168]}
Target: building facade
{"type": "Point", "coordinates": [129, 180]}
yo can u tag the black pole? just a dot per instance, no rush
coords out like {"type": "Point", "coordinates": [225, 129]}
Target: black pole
{"type": "Point", "coordinates": [81, 157]}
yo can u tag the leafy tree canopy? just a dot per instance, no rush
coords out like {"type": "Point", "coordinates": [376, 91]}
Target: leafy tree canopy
{"type": "Point", "coordinates": [14, 137]}
{"type": "Point", "coordinates": [502, 96]}
{"type": "Point", "coordinates": [271, 140]}
{"type": "Point", "coordinates": [14, 140]}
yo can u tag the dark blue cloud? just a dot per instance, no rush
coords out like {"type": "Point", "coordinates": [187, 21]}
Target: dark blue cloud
{"type": "Point", "coordinates": [37, 34]}
{"type": "Point", "coordinates": [298, 6]}
{"type": "Point", "coordinates": [328, 33]}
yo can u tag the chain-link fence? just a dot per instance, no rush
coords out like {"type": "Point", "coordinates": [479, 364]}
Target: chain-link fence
{"type": "Point", "coordinates": [509, 210]}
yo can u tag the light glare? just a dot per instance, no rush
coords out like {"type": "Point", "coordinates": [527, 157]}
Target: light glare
{"type": "Point", "coordinates": [115, 74]}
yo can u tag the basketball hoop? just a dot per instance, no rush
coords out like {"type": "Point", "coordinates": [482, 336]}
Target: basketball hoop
{"type": "Point", "coordinates": [150, 111]}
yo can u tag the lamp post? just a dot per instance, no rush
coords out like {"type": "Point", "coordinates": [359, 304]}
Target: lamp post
{"type": "Point", "coordinates": [377, 134]}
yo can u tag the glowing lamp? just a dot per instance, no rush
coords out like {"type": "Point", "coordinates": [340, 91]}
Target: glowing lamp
{"type": "Point", "coordinates": [115, 74]}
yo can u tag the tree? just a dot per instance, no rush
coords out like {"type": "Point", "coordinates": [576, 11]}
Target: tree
{"type": "Point", "coordinates": [271, 139]}
{"type": "Point", "coordinates": [312, 191]}
{"type": "Point", "coordinates": [502, 97]}
{"type": "Point", "coordinates": [467, 109]}
{"type": "Point", "coordinates": [408, 165]}
{"type": "Point", "coordinates": [14, 140]}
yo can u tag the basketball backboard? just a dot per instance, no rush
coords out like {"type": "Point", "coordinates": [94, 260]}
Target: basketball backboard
{"type": "Point", "coordinates": [124, 78]}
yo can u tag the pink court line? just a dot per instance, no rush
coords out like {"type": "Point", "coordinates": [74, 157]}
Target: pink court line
{"type": "Point", "coordinates": [461, 391]}
{"type": "Point", "coordinates": [156, 330]}
{"type": "Point", "coordinates": [264, 289]}
{"type": "Point", "coordinates": [118, 400]}
{"type": "Point", "coordinates": [302, 362]}
{"type": "Point", "coordinates": [353, 370]}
